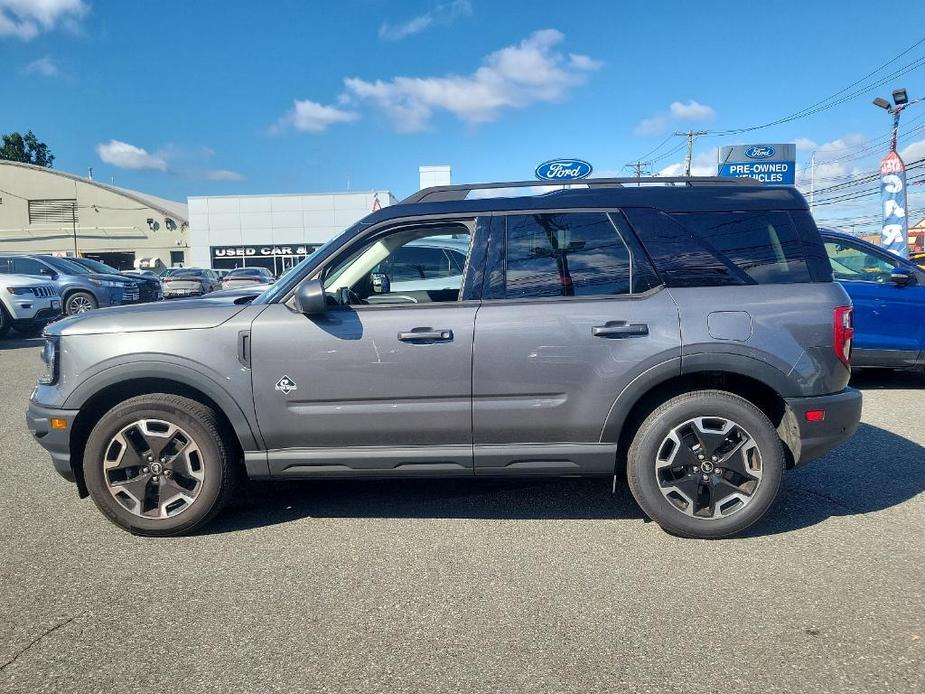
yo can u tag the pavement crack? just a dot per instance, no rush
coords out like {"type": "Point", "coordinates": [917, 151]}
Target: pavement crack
{"type": "Point", "coordinates": [831, 500]}
{"type": "Point", "coordinates": [38, 638]}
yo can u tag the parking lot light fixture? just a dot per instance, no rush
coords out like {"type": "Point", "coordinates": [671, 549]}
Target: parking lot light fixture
{"type": "Point", "coordinates": [882, 103]}
{"type": "Point", "coordinates": [900, 97]}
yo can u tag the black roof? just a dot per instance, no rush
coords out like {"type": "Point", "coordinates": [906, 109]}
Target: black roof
{"type": "Point", "coordinates": [692, 195]}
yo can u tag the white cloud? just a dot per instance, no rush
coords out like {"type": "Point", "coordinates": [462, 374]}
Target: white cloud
{"type": "Point", "coordinates": [913, 151]}
{"type": "Point", "coordinates": [444, 13]}
{"type": "Point", "coordinates": [222, 175]}
{"type": "Point", "coordinates": [310, 116]}
{"type": "Point", "coordinates": [126, 156]}
{"type": "Point", "coordinates": [703, 164]}
{"type": "Point", "coordinates": [26, 19]}
{"type": "Point", "coordinates": [46, 67]}
{"type": "Point", "coordinates": [692, 110]}
{"type": "Point", "coordinates": [677, 112]}
{"type": "Point", "coordinates": [512, 77]}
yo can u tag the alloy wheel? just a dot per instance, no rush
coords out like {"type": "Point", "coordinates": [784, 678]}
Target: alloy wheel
{"type": "Point", "coordinates": [153, 469]}
{"type": "Point", "coordinates": [79, 304]}
{"type": "Point", "coordinates": [708, 467]}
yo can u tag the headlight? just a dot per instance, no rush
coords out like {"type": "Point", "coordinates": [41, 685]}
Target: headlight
{"type": "Point", "coordinates": [106, 283]}
{"type": "Point", "coordinates": [19, 291]}
{"type": "Point", "coordinates": [50, 359]}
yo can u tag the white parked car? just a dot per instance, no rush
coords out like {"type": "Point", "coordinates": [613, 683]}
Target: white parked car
{"type": "Point", "coordinates": [27, 304]}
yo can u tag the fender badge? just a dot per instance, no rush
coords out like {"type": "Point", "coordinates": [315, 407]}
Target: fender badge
{"type": "Point", "coordinates": [286, 385]}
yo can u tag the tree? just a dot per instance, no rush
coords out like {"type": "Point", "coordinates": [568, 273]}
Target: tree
{"type": "Point", "coordinates": [26, 149]}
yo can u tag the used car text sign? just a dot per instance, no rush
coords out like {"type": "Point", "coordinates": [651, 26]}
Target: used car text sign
{"type": "Point", "coordinates": [563, 170]}
{"type": "Point", "coordinates": [771, 164]}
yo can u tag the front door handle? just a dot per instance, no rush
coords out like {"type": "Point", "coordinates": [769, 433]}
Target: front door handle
{"type": "Point", "coordinates": [620, 328]}
{"type": "Point", "coordinates": [426, 335]}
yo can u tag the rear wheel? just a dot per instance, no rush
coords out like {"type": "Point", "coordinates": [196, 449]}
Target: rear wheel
{"type": "Point", "coordinates": [159, 465]}
{"type": "Point", "coordinates": [706, 464]}
{"type": "Point", "coordinates": [79, 302]}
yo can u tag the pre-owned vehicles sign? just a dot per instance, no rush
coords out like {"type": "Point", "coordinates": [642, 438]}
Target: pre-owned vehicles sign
{"type": "Point", "coordinates": [771, 164]}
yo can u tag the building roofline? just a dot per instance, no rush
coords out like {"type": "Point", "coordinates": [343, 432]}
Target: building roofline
{"type": "Point", "coordinates": [291, 195]}
{"type": "Point", "coordinates": [139, 197]}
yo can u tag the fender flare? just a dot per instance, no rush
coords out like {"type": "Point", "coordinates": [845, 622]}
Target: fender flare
{"type": "Point", "coordinates": [169, 371]}
{"type": "Point", "coordinates": [728, 362]}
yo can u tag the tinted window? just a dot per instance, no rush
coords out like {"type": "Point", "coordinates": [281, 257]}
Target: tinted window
{"type": "Point", "coordinates": [722, 248]}
{"type": "Point", "coordinates": [29, 266]}
{"type": "Point", "coordinates": [245, 272]}
{"type": "Point", "coordinates": [578, 254]}
{"type": "Point", "coordinates": [850, 262]}
{"type": "Point", "coordinates": [66, 266]}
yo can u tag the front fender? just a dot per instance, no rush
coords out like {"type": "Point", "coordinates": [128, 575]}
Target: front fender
{"type": "Point", "coordinates": [242, 419]}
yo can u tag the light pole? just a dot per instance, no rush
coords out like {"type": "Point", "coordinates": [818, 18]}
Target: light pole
{"type": "Point", "coordinates": [894, 231]}
{"type": "Point", "coordinates": [900, 103]}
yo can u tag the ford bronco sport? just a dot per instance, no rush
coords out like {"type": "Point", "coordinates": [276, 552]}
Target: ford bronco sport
{"type": "Point", "coordinates": [686, 332]}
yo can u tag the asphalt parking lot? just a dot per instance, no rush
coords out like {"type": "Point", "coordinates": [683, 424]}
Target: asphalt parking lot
{"type": "Point", "coordinates": [543, 586]}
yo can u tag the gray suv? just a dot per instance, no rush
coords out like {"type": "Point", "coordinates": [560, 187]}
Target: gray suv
{"type": "Point", "coordinates": [686, 334]}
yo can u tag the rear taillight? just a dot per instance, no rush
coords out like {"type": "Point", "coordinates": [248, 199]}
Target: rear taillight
{"type": "Point", "coordinates": [844, 332]}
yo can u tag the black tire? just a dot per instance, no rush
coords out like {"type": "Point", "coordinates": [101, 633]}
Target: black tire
{"type": "Point", "coordinates": [31, 330]}
{"type": "Point", "coordinates": [5, 321]}
{"type": "Point", "coordinates": [653, 435]}
{"type": "Point", "coordinates": [75, 300]}
{"type": "Point", "coordinates": [220, 470]}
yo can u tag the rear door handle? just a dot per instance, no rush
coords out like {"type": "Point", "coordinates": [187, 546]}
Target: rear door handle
{"type": "Point", "coordinates": [620, 328]}
{"type": "Point", "coordinates": [426, 335]}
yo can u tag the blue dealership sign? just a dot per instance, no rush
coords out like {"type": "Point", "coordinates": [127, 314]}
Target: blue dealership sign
{"type": "Point", "coordinates": [771, 164]}
{"type": "Point", "coordinates": [563, 170]}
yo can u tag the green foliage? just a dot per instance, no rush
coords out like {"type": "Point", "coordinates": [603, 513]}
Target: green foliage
{"type": "Point", "coordinates": [26, 149]}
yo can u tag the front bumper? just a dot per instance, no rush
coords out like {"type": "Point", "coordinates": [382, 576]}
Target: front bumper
{"type": "Point", "coordinates": [842, 416]}
{"type": "Point", "coordinates": [56, 441]}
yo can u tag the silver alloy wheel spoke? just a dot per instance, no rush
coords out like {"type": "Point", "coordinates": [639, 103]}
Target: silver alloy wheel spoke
{"type": "Point", "coordinates": [708, 467]}
{"type": "Point", "coordinates": [153, 468]}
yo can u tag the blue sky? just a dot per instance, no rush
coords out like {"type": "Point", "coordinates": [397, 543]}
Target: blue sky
{"type": "Point", "coordinates": [214, 97]}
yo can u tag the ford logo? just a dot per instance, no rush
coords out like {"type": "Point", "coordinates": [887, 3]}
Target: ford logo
{"type": "Point", "coordinates": [563, 170]}
{"type": "Point", "coordinates": [760, 152]}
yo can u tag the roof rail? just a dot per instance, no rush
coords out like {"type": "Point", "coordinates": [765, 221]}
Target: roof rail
{"type": "Point", "coordinates": [460, 192]}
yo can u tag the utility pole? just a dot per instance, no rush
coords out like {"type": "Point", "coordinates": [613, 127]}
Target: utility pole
{"type": "Point", "coordinates": [690, 135]}
{"type": "Point", "coordinates": [640, 167]}
{"type": "Point", "coordinates": [812, 182]}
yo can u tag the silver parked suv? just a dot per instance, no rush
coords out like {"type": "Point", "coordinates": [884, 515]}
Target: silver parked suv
{"type": "Point", "coordinates": [688, 334]}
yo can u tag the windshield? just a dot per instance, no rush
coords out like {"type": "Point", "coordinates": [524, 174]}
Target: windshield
{"type": "Point", "coordinates": [97, 266]}
{"type": "Point", "coordinates": [283, 284]}
{"type": "Point", "coordinates": [66, 267]}
{"type": "Point", "coordinates": [246, 271]}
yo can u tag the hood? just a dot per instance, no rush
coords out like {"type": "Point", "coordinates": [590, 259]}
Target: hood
{"type": "Point", "coordinates": [185, 314]}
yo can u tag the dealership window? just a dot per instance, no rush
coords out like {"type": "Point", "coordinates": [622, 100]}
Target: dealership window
{"type": "Point", "coordinates": [53, 211]}
{"type": "Point", "coordinates": [177, 258]}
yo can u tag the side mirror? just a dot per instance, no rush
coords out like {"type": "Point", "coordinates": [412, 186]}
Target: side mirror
{"type": "Point", "coordinates": [310, 298]}
{"type": "Point", "coordinates": [901, 278]}
{"type": "Point", "coordinates": [381, 283]}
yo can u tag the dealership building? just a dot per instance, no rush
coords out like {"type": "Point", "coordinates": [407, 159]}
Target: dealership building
{"type": "Point", "coordinates": [273, 231]}
{"type": "Point", "coordinates": [49, 211]}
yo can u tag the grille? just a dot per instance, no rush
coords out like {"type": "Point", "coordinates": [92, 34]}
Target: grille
{"type": "Point", "coordinates": [53, 211]}
{"type": "Point", "coordinates": [129, 294]}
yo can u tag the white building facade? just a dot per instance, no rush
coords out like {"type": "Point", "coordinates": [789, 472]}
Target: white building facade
{"type": "Point", "coordinates": [273, 231]}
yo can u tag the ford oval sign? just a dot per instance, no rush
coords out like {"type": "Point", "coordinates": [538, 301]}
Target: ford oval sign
{"type": "Point", "coordinates": [563, 170]}
{"type": "Point", "coordinates": [760, 152]}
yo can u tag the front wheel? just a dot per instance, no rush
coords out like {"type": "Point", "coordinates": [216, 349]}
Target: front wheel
{"type": "Point", "coordinates": [706, 464]}
{"type": "Point", "coordinates": [159, 465]}
{"type": "Point", "coordinates": [79, 302]}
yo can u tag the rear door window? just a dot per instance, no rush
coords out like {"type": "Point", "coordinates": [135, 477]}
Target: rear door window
{"type": "Point", "coordinates": [567, 254]}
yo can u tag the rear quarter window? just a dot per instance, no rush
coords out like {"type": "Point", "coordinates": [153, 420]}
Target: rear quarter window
{"type": "Point", "coordinates": [723, 248]}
